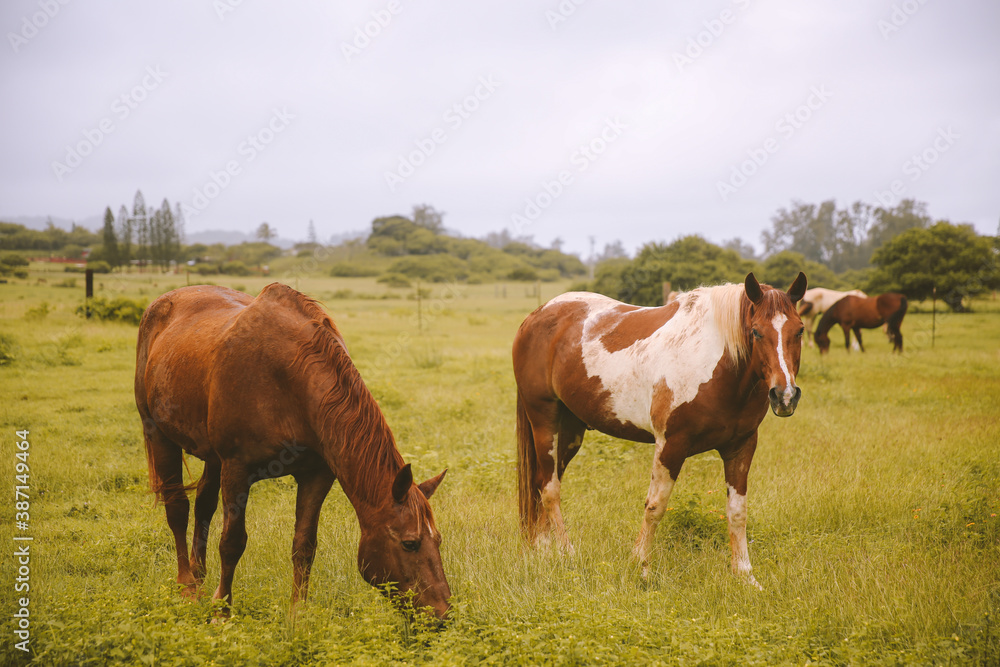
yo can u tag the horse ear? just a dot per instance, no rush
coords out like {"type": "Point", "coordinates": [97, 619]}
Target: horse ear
{"type": "Point", "coordinates": [429, 486]}
{"type": "Point", "coordinates": [798, 288]}
{"type": "Point", "coordinates": [401, 486]}
{"type": "Point", "coordinates": [753, 290]}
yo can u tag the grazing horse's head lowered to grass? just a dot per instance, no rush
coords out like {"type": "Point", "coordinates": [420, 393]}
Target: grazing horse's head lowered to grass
{"type": "Point", "coordinates": [261, 388]}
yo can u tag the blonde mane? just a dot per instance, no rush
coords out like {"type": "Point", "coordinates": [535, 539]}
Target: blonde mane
{"type": "Point", "coordinates": [730, 308]}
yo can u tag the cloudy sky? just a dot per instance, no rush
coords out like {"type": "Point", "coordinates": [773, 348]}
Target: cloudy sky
{"type": "Point", "coordinates": [631, 121]}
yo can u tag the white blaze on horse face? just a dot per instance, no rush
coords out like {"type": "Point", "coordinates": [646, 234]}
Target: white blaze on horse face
{"type": "Point", "coordinates": [779, 322]}
{"type": "Point", "coordinates": [683, 352]}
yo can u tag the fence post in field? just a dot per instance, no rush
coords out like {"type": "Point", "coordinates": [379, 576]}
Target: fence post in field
{"type": "Point", "coordinates": [420, 312]}
{"type": "Point", "coordinates": [933, 314]}
{"type": "Point", "coordinates": [89, 281]}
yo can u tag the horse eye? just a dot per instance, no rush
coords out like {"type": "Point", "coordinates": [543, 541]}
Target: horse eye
{"type": "Point", "coordinates": [801, 331]}
{"type": "Point", "coordinates": [411, 545]}
{"type": "Point", "coordinates": [756, 334]}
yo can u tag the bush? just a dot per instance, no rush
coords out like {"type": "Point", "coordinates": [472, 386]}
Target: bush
{"type": "Point", "coordinates": [349, 270]}
{"type": "Point", "coordinates": [234, 269]}
{"type": "Point", "coordinates": [118, 309]}
{"type": "Point", "coordinates": [433, 268]}
{"type": "Point", "coordinates": [21, 273]}
{"type": "Point", "coordinates": [8, 349]}
{"type": "Point", "coordinates": [99, 266]}
{"type": "Point", "coordinates": [205, 269]}
{"type": "Point", "coordinates": [39, 312]}
{"type": "Point", "coordinates": [14, 259]}
{"type": "Point", "coordinates": [393, 280]}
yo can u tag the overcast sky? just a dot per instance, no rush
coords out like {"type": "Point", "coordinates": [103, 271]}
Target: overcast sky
{"type": "Point", "coordinates": [636, 121]}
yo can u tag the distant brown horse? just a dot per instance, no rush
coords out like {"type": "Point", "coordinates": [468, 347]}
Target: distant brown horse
{"type": "Point", "coordinates": [261, 388]}
{"type": "Point", "coordinates": [854, 313]}
{"type": "Point", "coordinates": [694, 375]}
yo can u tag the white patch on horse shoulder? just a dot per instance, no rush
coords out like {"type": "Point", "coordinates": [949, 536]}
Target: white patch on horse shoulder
{"type": "Point", "coordinates": [683, 353]}
{"type": "Point", "coordinates": [778, 322]}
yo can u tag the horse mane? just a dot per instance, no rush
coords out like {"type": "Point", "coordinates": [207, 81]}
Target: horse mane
{"type": "Point", "coordinates": [348, 413]}
{"type": "Point", "coordinates": [731, 311]}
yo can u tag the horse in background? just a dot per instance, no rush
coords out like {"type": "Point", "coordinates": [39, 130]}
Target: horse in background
{"type": "Point", "coordinates": [262, 388]}
{"type": "Point", "coordinates": [691, 376]}
{"type": "Point", "coordinates": [816, 302]}
{"type": "Point", "coordinates": [854, 313]}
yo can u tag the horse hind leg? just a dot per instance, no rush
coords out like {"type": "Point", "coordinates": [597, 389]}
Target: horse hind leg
{"type": "Point", "coordinates": [571, 432]}
{"type": "Point", "coordinates": [205, 504]}
{"type": "Point", "coordinates": [545, 424]}
{"type": "Point", "coordinates": [235, 487]}
{"type": "Point", "coordinates": [166, 473]}
{"type": "Point", "coordinates": [857, 336]}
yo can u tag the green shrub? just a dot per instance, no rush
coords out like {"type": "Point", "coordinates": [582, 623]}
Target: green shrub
{"type": "Point", "coordinates": [205, 269]}
{"type": "Point", "coordinates": [99, 266]}
{"type": "Point", "coordinates": [350, 270]}
{"type": "Point", "coordinates": [433, 268]}
{"type": "Point", "coordinates": [67, 282]}
{"type": "Point", "coordinates": [39, 312]}
{"type": "Point", "coordinates": [393, 280]}
{"type": "Point", "coordinates": [523, 273]}
{"type": "Point", "coordinates": [13, 259]}
{"type": "Point", "coordinates": [234, 269]}
{"type": "Point", "coordinates": [119, 309]}
{"type": "Point", "coordinates": [21, 273]}
{"type": "Point", "coordinates": [8, 349]}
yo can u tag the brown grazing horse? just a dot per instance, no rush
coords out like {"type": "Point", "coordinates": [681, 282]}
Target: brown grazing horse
{"type": "Point", "coordinates": [261, 388]}
{"type": "Point", "coordinates": [694, 375]}
{"type": "Point", "coordinates": [854, 313]}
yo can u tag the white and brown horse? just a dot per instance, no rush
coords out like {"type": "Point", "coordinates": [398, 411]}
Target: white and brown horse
{"type": "Point", "coordinates": [817, 301]}
{"type": "Point", "coordinates": [695, 375]}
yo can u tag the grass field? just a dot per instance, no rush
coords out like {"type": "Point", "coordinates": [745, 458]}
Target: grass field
{"type": "Point", "coordinates": [873, 521]}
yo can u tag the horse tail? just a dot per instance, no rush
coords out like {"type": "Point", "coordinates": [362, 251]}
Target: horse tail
{"type": "Point", "coordinates": [895, 320]}
{"type": "Point", "coordinates": [527, 468]}
{"type": "Point", "coordinates": [155, 442]}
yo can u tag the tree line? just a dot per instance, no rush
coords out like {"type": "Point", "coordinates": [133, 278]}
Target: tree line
{"type": "Point", "coordinates": [878, 250]}
{"type": "Point", "coordinates": [145, 237]}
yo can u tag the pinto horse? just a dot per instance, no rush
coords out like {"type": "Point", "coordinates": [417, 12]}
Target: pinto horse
{"type": "Point", "coordinates": [694, 375]}
{"type": "Point", "coordinates": [816, 301]}
{"type": "Point", "coordinates": [262, 388]}
{"type": "Point", "coordinates": [854, 313]}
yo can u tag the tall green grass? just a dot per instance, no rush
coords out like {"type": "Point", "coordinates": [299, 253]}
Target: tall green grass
{"type": "Point", "coordinates": [873, 511]}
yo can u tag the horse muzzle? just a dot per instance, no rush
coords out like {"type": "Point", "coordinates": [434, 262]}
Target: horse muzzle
{"type": "Point", "coordinates": [782, 405]}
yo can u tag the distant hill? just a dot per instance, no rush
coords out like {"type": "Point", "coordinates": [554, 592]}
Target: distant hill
{"type": "Point", "coordinates": [228, 237]}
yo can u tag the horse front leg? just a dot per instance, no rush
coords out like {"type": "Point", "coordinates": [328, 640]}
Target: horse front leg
{"type": "Point", "coordinates": [857, 335]}
{"type": "Point", "coordinates": [235, 482]}
{"type": "Point", "coordinates": [312, 490]}
{"type": "Point", "coordinates": [736, 464]}
{"type": "Point", "coordinates": [667, 463]}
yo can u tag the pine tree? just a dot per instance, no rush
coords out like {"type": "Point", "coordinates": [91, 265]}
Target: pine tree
{"type": "Point", "coordinates": [168, 230]}
{"type": "Point", "coordinates": [110, 240]}
{"type": "Point", "coordinates": [124, 237]}
{"type": "Point", "coordinates": [140, 223]}
{"type": "Point", "coordinates": [180, 232]}
{"type": "Point", "coordinates": [312, 238]}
